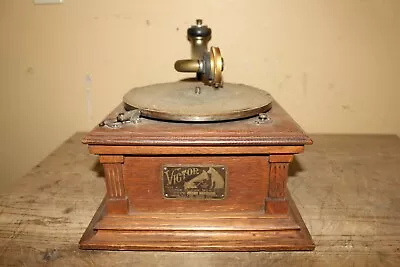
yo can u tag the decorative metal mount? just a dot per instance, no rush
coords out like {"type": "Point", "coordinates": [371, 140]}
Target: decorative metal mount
{"type": "Point", "coordinates": [263, 118]}
{"type": "Point", "coordinates": [123, 118]}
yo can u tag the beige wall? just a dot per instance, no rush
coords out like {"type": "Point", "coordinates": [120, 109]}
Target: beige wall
{"type": "Point", "coordinates": [334, 65]}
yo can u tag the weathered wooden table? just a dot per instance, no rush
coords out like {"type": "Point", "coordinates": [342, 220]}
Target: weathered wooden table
{"type": "Point", "coordinates": [346, 188]}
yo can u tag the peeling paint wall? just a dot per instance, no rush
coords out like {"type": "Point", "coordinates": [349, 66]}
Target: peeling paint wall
{"type": "Point", "coordinates": [333, 65]}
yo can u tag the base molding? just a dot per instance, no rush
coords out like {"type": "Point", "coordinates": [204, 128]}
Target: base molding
{"type": "Point", "coordinates": [262, 233]}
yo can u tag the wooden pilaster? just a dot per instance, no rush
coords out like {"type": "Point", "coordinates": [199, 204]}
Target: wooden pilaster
{"type": "Point", "coordinates": [117, 201]}
{"type": "Point", "coordinates": [276, 200]}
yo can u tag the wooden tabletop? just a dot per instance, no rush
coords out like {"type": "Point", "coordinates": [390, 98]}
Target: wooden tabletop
{"type": "Point", "coordinates": [346, 188]}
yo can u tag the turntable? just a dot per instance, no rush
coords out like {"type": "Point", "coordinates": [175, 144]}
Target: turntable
{"type": "Point", "coordinates": [197, 165]}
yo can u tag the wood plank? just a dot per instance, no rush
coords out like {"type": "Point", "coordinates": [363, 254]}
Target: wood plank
{"type": "Point", "coordinates": [193, 150]}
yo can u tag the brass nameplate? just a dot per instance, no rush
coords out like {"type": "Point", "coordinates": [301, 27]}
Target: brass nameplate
{"type": "Point", "coordinates": [200, 182]}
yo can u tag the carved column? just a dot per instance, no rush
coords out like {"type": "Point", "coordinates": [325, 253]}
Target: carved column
{"type": "Point", "coordinates": [276, 201]}
{"type": "Point", "coordinates": [117, 201]}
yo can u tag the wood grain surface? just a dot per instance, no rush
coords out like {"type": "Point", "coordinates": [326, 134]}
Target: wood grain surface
{"type": "Point", "coordinates": [346, 188]}
{"type": "Point", "coordinates": [279, 130]}
{"type": "Point", "coordinates": [246, 190]}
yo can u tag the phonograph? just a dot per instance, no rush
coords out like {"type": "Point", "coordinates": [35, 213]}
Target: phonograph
{"type": "Point", "coordinates": [197, 165]}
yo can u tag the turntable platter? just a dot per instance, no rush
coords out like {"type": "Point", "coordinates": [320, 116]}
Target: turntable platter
{"type": "Point", "coordinates": [195, 101]}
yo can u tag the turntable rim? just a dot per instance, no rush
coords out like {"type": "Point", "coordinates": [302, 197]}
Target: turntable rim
{"type": "Point", "coordinates": [244, 102]}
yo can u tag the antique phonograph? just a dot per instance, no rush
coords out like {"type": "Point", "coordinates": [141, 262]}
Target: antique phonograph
{"type": "Point", "coordinates": [197, 165]}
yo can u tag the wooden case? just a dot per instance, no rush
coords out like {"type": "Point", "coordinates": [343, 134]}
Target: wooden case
{"type": "Point", "coordinates": [256, 213]}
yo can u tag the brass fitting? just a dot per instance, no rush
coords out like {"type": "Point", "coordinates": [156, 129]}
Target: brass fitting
{"type": "Point", "coordinates": [187, 65]}
{"type": "Point", "coordinates": [199, 35]}
{"type": "Point", "coordinates": [208, 65]}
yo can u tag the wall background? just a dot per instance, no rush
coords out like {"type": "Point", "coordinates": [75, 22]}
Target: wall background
{"type": "Point", "coordinates": [333, 65]}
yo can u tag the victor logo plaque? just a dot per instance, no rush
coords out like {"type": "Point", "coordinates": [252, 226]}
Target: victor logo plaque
{"type": "Point", "coordinates": [200, 182]}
